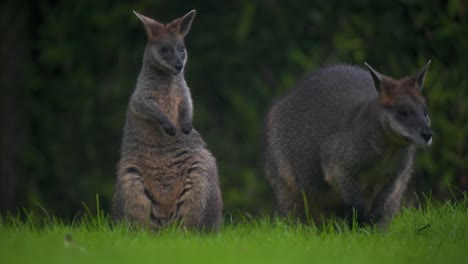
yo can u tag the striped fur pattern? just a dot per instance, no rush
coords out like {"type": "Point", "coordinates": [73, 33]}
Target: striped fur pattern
{"type": "Point", "coordinates": [165, 174]}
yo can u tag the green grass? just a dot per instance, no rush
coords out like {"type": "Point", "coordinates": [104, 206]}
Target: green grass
{"type": "Point", "coordinates": [435, 233]}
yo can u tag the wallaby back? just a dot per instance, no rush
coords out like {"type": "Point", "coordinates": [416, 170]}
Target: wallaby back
{"type": "Point", "coordinates": [332, 144]}
{"type": "Point", "coordinates": [165, 173]}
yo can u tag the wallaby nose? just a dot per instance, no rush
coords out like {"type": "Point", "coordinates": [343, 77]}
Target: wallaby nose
{"type": "Point", "coordinates": [178, 67]}
{"type": "Point", "coordinates": [426, 134]}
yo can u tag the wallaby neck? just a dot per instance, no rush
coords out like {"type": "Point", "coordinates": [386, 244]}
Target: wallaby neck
{"type": "Point", "coordinates": [153, 77]}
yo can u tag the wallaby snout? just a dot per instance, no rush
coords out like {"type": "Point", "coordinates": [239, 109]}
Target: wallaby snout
{"type": "Point", "coordinates": [178, 67]}
{"type": "Point", "coordinates": [426, 134]}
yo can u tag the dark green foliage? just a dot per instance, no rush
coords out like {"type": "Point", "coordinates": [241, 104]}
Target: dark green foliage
{"type": "Point", "coordinates": [84, 57]}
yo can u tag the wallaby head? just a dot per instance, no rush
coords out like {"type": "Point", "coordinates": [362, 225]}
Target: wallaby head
{"type": "Point", "coordinates": [404, 111]}
{"type": "Point", "coordinates": [166, 49]}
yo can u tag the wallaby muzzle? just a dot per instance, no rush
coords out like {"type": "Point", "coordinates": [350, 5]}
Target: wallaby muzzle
{"type": "Point", "coordinates": [426, 134]}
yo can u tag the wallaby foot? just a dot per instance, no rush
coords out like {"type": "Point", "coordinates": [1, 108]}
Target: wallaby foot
{"type": "Point", "coordinates": [130, 202]}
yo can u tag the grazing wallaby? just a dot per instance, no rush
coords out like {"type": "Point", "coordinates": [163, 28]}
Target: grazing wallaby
{"type": "Point", "coordinates": [165, 173]}
{"type": "Point", "coordinates": [343, 141]}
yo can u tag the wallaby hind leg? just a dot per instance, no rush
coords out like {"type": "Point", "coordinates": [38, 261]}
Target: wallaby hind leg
{"type": "Point", "coordinates": [282, 181]}
{"type": "Point", "coordinates": [192, 201]}
{"type": "Point", "coordinates": [130, 202]}
{"type": "Point", "coordinates": [192, 204]}
{"type": "Point", "coordinates": [213, 212]}
{"type": "Point", "coordinates": [289, 202]}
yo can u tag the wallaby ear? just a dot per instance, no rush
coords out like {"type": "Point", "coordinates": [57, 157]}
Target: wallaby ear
{"type": "Point", "coordinates": [186, 22]}
{"type": "Point", "coordinates": [149, 24]}
{"type": "Point", "coordinates": [376, 76]}
{"type": "Point", "coordinates": [421, 75]}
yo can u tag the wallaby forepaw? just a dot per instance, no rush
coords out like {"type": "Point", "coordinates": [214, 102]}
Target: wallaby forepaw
{"type": "Point", "coordinates": [186, 128]}
{"type": "Point", "coordinates": [169, 129]}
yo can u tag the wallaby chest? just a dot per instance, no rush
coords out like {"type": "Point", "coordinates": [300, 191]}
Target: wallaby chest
{"type": "Point", "coordinates": [169, 100]}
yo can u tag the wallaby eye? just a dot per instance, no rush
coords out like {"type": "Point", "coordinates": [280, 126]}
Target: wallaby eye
{"type": "Point", "coordinates": [164, 49]}
{"type": "Point", "coordinates": [402, 112]}
{"type": "Point", "coordinates": [182, 49]}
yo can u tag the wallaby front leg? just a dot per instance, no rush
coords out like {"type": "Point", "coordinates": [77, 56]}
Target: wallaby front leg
{"type": "Point", "coordinates": [388, 202]}
{"type": "Point", "coordinates": [352, 194]}
{"type": "Point", "coordinates": [147, 108]}
{"type": "Point", "coordinates": [385, 206]}
{"type": "Point", "coordinates": [185, 116]}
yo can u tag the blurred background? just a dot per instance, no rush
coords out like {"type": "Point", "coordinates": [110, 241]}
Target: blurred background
{"type": "Point", "coordinates": [69, 67]}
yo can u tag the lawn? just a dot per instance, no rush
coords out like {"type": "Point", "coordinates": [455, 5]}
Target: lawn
{"type": "Point", "coordinates": [435, 233]}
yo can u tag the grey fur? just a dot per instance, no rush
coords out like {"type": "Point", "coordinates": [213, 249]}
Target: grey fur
{"type": "Point", "coordinates": [165, 173]}
{"type": "Point", "coordinates": [341, 143]}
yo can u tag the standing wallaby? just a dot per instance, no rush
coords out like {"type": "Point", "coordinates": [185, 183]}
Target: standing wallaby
{"type": "Point", "coordinates": [343, 141]}
{"type": "Point", "coordinates": [165, 173]}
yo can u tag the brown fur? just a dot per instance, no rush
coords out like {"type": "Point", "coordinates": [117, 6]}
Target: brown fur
{"type": "Point", "coordinates": [393, 89]}
{"type": "Point", "coordinates": [165, 173]}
